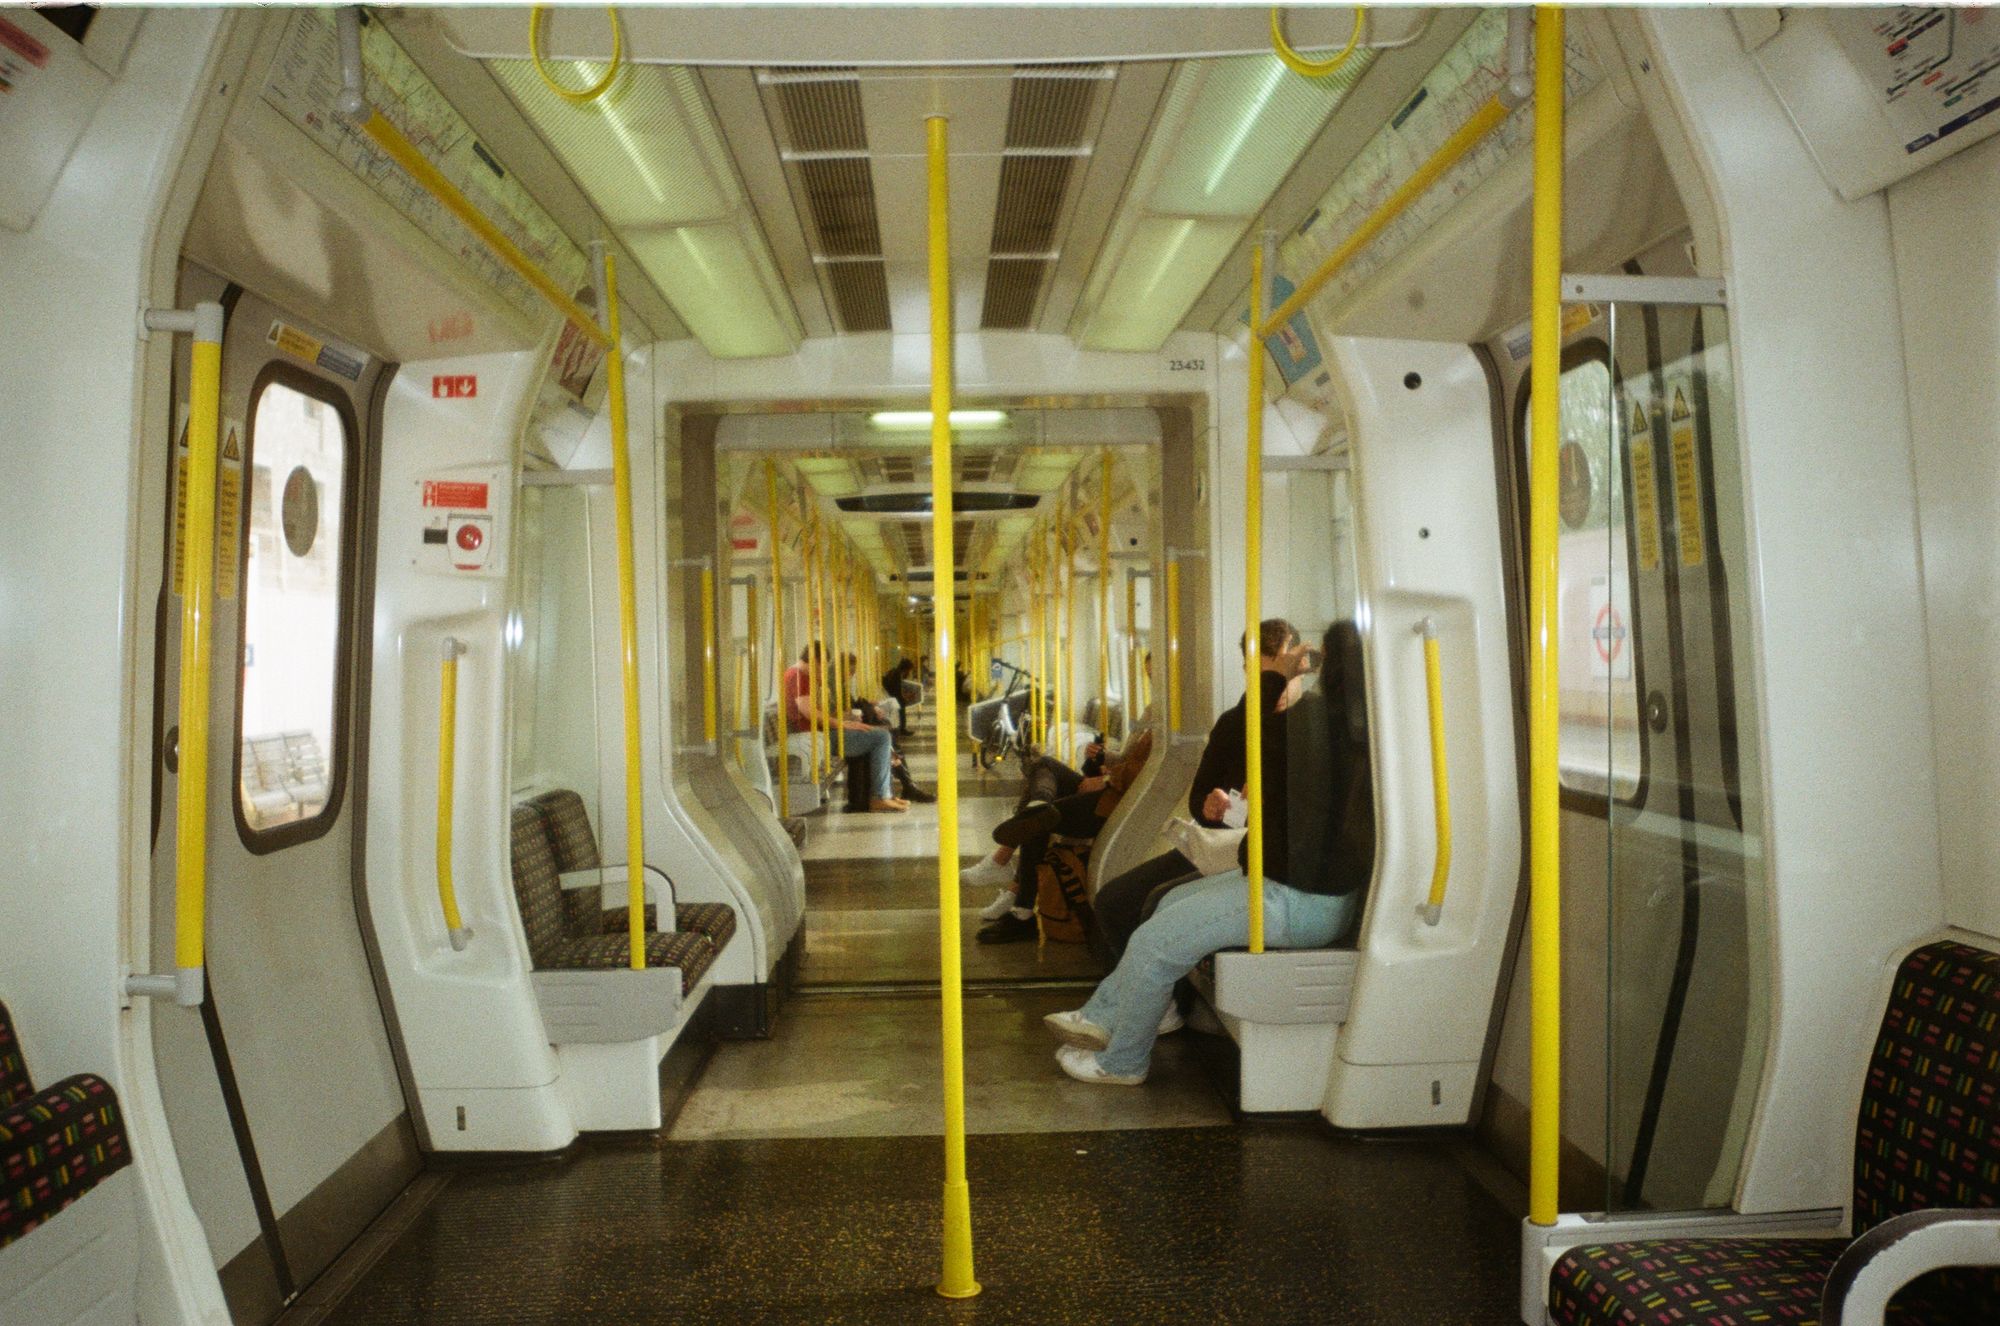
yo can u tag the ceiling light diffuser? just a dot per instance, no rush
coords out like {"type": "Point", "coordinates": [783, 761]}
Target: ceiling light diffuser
{"type": "Point", "coordinates": [922, 418]}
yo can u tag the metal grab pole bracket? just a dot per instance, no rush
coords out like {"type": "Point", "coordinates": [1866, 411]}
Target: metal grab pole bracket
{"type": "Point", "coordinates": [187, 984]}
{"type": "Point", "coordinates": [450, 651]}
{"type": "Point", "coordinates": [1432, 908]}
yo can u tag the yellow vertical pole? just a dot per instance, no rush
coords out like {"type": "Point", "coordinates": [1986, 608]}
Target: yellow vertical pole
{"type": "Point", "coordinates": [1104, 595]}
{"type": "Point", "coordinates": [837, 686]}
{"type": "Point", "coordinates": [628, 626]}
{"type": "Point", "coordinates": [710, 700]}
{"type": "Point", "coordinates": [956, 1280]}
{"type": "Point", "coordinates": [1133, 668]}
{"type": "Point", "coordinates": [1173, 647]}
{"type": "Point", "coordinates": [1544, 806]}
{"type": "Point", "coordinates": [1253, 605]}
{"type": "Point", "coordinates": [455, 928]}
{"type": "Point", "coordinates": [1037, 720]}
{"type": "Point", "coordinates": [197, 644]}
{"type": "Point", "coordinates": [778, 641]}
{"type": "Point", "coordinates": [1068, 719]}
{"type": "Point", "coordinates": [816, 644]}
{"type": "Point", "coordinates": [753, 627]}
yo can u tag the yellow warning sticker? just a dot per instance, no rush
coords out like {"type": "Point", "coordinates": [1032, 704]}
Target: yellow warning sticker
{"type": "Point", "coordinates": [1687, 480]}
{"type": "Point", "coordinates": [228, 510]}
{"type": "Point", "coordinates": [1645, 490]}
{"type": "Point", "coordinates": [180, 510]}
{"type": "Point", "coordinates": [1578, 316]}
{"type": "Point", "coordinates": [295, 342]}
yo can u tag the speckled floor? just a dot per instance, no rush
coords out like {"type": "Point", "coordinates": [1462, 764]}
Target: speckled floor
{"type": "Point", "coordinates": [1267, 1223]}
{"type": "Point", "coordinates": [867, 1066]}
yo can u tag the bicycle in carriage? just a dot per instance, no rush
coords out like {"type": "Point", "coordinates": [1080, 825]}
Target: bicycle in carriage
{"type": "Point", "coordinates": [998, 726]}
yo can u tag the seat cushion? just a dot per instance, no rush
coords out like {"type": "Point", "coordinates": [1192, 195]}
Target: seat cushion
{"type": "Point", "coordinates": [717, 920]}
{"type": "Point", "coordinates": [1693, 1282]}
{"type": "Point", "coordinates": [609, 920]}
{"type": "Point", "coordinates": [693, 954]}
{"type": "Point", "coordinates": [1925, 1137]}
{"type": "Point", "coordinates": [55, 1146]}
{"type": "Point", "coordinates": [537, 890]}
{"type": "Point", "coordinates": [15, 1084]}
{"type": "Point", "coordinates": [570, 834]}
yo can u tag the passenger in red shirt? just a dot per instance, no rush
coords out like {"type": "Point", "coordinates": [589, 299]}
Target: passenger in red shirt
{"type": "Point", "coordinates": [871, 743]}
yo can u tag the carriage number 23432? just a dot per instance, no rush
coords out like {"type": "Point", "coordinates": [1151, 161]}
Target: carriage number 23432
{"type": "Point", "coordinates": [1187, 365]}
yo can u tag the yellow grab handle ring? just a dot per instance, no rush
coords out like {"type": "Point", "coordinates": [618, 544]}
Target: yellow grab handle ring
{"type": "Point", "coordinates": [1297, 63]}
{"type": "Point", "coordinates": [578, 96]}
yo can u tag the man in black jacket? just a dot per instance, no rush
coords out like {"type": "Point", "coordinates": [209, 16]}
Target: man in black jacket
{"type": "Point", "coordinates": [1120, 902]}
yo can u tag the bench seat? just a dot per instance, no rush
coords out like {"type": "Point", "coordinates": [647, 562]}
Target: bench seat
{"type": "Point", "coordinates": [56, 1144]}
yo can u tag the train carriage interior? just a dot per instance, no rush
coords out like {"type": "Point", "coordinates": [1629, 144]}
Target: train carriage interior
{"type": "Point", "coordinates": [999, 663]}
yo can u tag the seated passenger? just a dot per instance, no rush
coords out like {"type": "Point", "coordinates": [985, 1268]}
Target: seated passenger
{"type": "Point", "coordinates": [1082, 814]}
{"type": "Point", "coordinates": [1312, 888]}
{"type": "Point", "coordinates": [892, 690]}
{"type": "Point", "coordinates": [862, 740]}
{"type": "Point", "coordinates": [867, 712]}
{"type": "Point", "coordinates": [1120, 901]}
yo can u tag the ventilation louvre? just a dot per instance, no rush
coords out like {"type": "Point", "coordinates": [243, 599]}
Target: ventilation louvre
{"type": "Point", "coordinates": [1031, 198]}
{"type": "Point", "coordinates": [1050, 105]}
{"type": "Point", "coordinates": [823, 115]}
{"type": "Point", "coordinates": [860, 295]}
{"type": "Point", "coordinates": [1012, 287]}
{"type": "Point", "coordinates": [1049, 111]}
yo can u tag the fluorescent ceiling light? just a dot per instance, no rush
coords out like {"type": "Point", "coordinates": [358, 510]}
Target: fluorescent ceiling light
{"type": "Point", "coordinates": [1228, 134]}
{"type": "Point", "coordinates": [713, 278]}
{"type": "Point", "coordinates": [922, 418]}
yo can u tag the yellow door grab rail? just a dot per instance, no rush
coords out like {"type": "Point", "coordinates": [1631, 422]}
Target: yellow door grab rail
{"type": "Point", "coordinates": [1104, 596]}
{"type": "Point", "coordinates": [1253, 606]}
{"type": "Point", "coordinates": [454, 924]}
{"type": "Point", "coordinates": [710, 700]}
{"type": "Point", "coordinates": [188, 983]}
{"type": "Point", "coordinates": [1173, 650]}
{"type": "Point", "coordinates": [1432, 909]}
{"type": "Point", "coordinates": [957, 1280]}
{"type": "Point", "coordinates": [628, 624]}
{"type": "Point", "coordinates": [1544, 798]}
{"type": "Point", "coordinates": [778, 643]}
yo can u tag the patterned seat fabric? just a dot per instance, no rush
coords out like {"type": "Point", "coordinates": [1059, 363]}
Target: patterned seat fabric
{"type": "Point", "coordinates": [537, 890]}
{"type": "Point", "coordinates": [693, 954]}
{"type": "Point", "coordinates": [1925, 1138]}
{"type": "Point", "coordinates": [717, 920]}
{"type": "Point", "coordinates": [55, 1145]}
{"type": "Point", "coordinates": [570, 834]}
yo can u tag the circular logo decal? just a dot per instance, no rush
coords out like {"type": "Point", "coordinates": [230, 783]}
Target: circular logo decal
{"type": "Point", "coordinates": [300, 511]}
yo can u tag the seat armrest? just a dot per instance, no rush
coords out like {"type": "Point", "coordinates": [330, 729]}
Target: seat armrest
{"type": "Point", "coordinates": [659, 889]}
{"type": "Point", "coordinates": [1899, 1250]}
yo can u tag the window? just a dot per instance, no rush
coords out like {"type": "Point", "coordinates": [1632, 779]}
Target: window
{"type": "Point", "coordinates": [1602, 743]}
{"type": "Point", "coordinates": [293, 648]}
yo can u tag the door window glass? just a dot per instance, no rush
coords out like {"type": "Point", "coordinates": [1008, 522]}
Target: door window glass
{"type": "Point", "coordinates": [292, 611]}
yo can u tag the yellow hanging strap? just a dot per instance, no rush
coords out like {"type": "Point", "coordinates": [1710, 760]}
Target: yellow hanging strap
{"type": "Point", "coordinates": [574, 96]}
{"type": "Point", "coordinates": [778, 642]}
{"type": "Point", "coordinates": [956, 1281]}
{"type": "Point", "coordinates": [1432, 909]}
{"type": "Point", "coordinates": [628, 628]}
{"type": "Point", "coordinates": [1544, 797]}
{"type": "Point", "coordinates": [1253, 609]}
{"type": "Point", "coordinates": [455, 927]}
{"type": "Point", "coordinates": [1299, 64]}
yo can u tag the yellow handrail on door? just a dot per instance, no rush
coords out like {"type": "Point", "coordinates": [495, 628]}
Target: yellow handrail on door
{"type": "Point", "coordinates": [628, 627]}
{"type": "Point", "coordinates": [956, 1280]}
{"type": "Point", "coordinates": [455, 926]}
{"type": "Point", "coordinates": [778, 643]}
{"type": "Point", "coordinates": [1483, 122]}
{"type": "Point", "coordinates": [1173, 650]}
{"type": "Point", "coordinates": [1253, 608]}
{"type": "Point", "coordinates": [1432, 909]}
{"type": "Point", "coordinates": [710, 699]}
{"type": "Point", "coordinates": [1544, 804]}
{"type": "Point", "coordinates": [190, 978]}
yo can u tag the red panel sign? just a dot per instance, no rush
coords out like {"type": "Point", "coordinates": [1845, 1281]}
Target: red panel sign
{"type": "Point", "coordinates": [23, 45]}
{"type": "Point", "coordinates": [456, 495]}
{"type": "Point", "coordinates": [454, 386]}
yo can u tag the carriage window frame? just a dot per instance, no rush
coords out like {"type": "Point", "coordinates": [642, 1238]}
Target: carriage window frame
{"type": "Point", "coordinates": [1587, 350]}
{"type": "Point", "coordinates": [263, 841]}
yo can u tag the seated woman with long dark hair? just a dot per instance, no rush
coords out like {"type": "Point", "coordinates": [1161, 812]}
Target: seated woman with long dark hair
{"type": "Point", "coordinates": [1314, 876]}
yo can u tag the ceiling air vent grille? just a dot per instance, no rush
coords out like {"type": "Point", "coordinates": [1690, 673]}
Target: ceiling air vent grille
{"type": "Point", "coordinates": [1012, 287]}
{"type": "Point", "coordinates": [860, 295]}
{"type": "Point", "coordinates": [1049, 117]}
{"type": "Point", "coordinates": [1031, 198]}
{"type": "Point", "coordinates": [1050, 105]}
{"type": "Point", "coordinates": [822, 115]}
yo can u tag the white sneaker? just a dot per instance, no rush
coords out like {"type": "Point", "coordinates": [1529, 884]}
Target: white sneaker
{"type": "Point", "coordinates": [1073, 1031]}
{"type": "Point", "coordinates": [990, 873]}
{"type": "Point", "coordinates": [1082, 1065]}
{"type": "Point", "coordinates": [1170, 1021]}
{"type": "Point", "coordinates": [1003, 903]}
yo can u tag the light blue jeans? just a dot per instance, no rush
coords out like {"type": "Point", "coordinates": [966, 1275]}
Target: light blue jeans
{"type": "Point", "coordinates": [1193, 921]}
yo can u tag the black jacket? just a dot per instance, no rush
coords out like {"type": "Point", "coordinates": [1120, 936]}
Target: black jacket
{"type": "Point", "coordinates": [1222, 759]}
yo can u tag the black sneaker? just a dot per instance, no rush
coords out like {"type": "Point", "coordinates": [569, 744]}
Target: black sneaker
{"type": "Point", "coordinates": [1009, 929]}
{"type": "Point", "coordinates": [911, 792]}
{"type": "Point", "coordinates": [1033, 820]}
